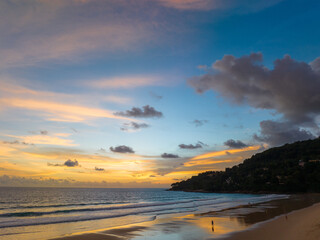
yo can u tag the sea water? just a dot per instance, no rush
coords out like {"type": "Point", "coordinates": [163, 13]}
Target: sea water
{"type": "Point", "coordinates": [32, 213]}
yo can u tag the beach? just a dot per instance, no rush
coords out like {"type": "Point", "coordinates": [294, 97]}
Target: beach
{"type": "Point", "coordinates": [297, 217]}
{"type": "Point", "coordinates": [302, 224]}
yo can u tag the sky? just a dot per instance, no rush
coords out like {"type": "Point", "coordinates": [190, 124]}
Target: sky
{"type": "Point", "coordinates": [145, 93]}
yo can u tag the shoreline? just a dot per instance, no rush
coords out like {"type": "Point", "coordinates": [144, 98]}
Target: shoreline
{"type": "Point", "coordinates": [242, 192]}
{"type": "Point", "coordinates": [236, 223]}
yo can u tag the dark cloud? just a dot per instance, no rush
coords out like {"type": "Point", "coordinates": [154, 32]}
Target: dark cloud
{"type": "Point", "coordinates": [169, 155]}
{"type": "Point", "coordinates": [99, 169]}
{"type": "Point", "coordinates": [144, 112]}
{"type": "Point", "coordinates": [199, 123]}
{"type": "Point", "coordinates": [68, 163]}
{"type": "Point", "coordinates": [191, 146]}
{"type": "Point", "coordinates": [71, 163]}
{"type": "Point", "coordinates": [122, 149]}
{"type": "Point", "coordinates": [152, 176]}
{"type": "Point", "coordinates": [134, 126]}
{"type": "Point", "coordinates": [235, 144]}
{"type": "Point", "coordinates": [278, 133]}
{"type": "Point", "coordinates": [139, 125]}
{"type": "Point", "coordinates": [291, 88]}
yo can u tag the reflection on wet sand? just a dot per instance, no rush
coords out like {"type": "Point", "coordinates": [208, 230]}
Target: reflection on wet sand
{"type": "Point", "coordinates": [254, 213]}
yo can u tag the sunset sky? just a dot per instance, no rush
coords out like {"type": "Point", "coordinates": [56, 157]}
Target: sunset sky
{"type": "Point", "coordinates": [144, 93]}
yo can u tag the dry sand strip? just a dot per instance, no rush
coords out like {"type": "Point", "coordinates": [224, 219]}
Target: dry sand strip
{"type": "Point", "coordinates": [303, 224]}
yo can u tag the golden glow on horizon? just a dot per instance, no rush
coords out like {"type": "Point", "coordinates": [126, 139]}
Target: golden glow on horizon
{"type": "Point", "coordinates": [43, 163]}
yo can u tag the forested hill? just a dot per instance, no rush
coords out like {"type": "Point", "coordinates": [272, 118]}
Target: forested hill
{"type": "Point", "coordinates": [290, 168]}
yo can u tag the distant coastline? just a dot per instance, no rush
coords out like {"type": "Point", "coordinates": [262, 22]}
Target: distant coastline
{"type": "Point", "coordinates": [239, 192]}
{"type": "Point", "coordinates": [291, 168]}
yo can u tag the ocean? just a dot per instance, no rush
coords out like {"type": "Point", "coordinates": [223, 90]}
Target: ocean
{"type": "Point", "coordinates": [43, 213]}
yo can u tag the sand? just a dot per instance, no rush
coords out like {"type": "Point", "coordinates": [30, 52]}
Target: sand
{"type": "Point", "coordinates": [302, 224]}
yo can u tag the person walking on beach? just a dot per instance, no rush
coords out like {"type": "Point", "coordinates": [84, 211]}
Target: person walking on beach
{"type": "Point", "coordinates": [212, 225]}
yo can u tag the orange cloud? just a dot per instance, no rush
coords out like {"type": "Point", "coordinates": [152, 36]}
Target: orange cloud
{"type": "Point", "coordinates": [207, 162]}
{"type": "Point", "coordinates": [57, 106]}
{"type": "Point", "coordinates": [116, 99]}
{"type": "Point", "coordinates": [10, 89]}
{"type": "Point", "coordinates": [56, 111]}
{"type": "Point", "coordinates": [46, 139]}
{"type": "Point", "coordinates": [127, 82]}
{"type": "Point", "coordinates": [191, 4]}
{"type": "Point", "coordinates": [23, 170]}
{"type": "Point", "coordinates": [209, 158]}
{"type": "Point", "coordinates": [225, 152]}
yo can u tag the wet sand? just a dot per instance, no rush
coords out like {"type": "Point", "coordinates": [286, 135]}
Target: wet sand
{"type": "Point", "coordinates": [291, 218]}
{"type": "Point", "coordinates": [302, 224]}
{"type": "Point", "coordinates": [112, 234]}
